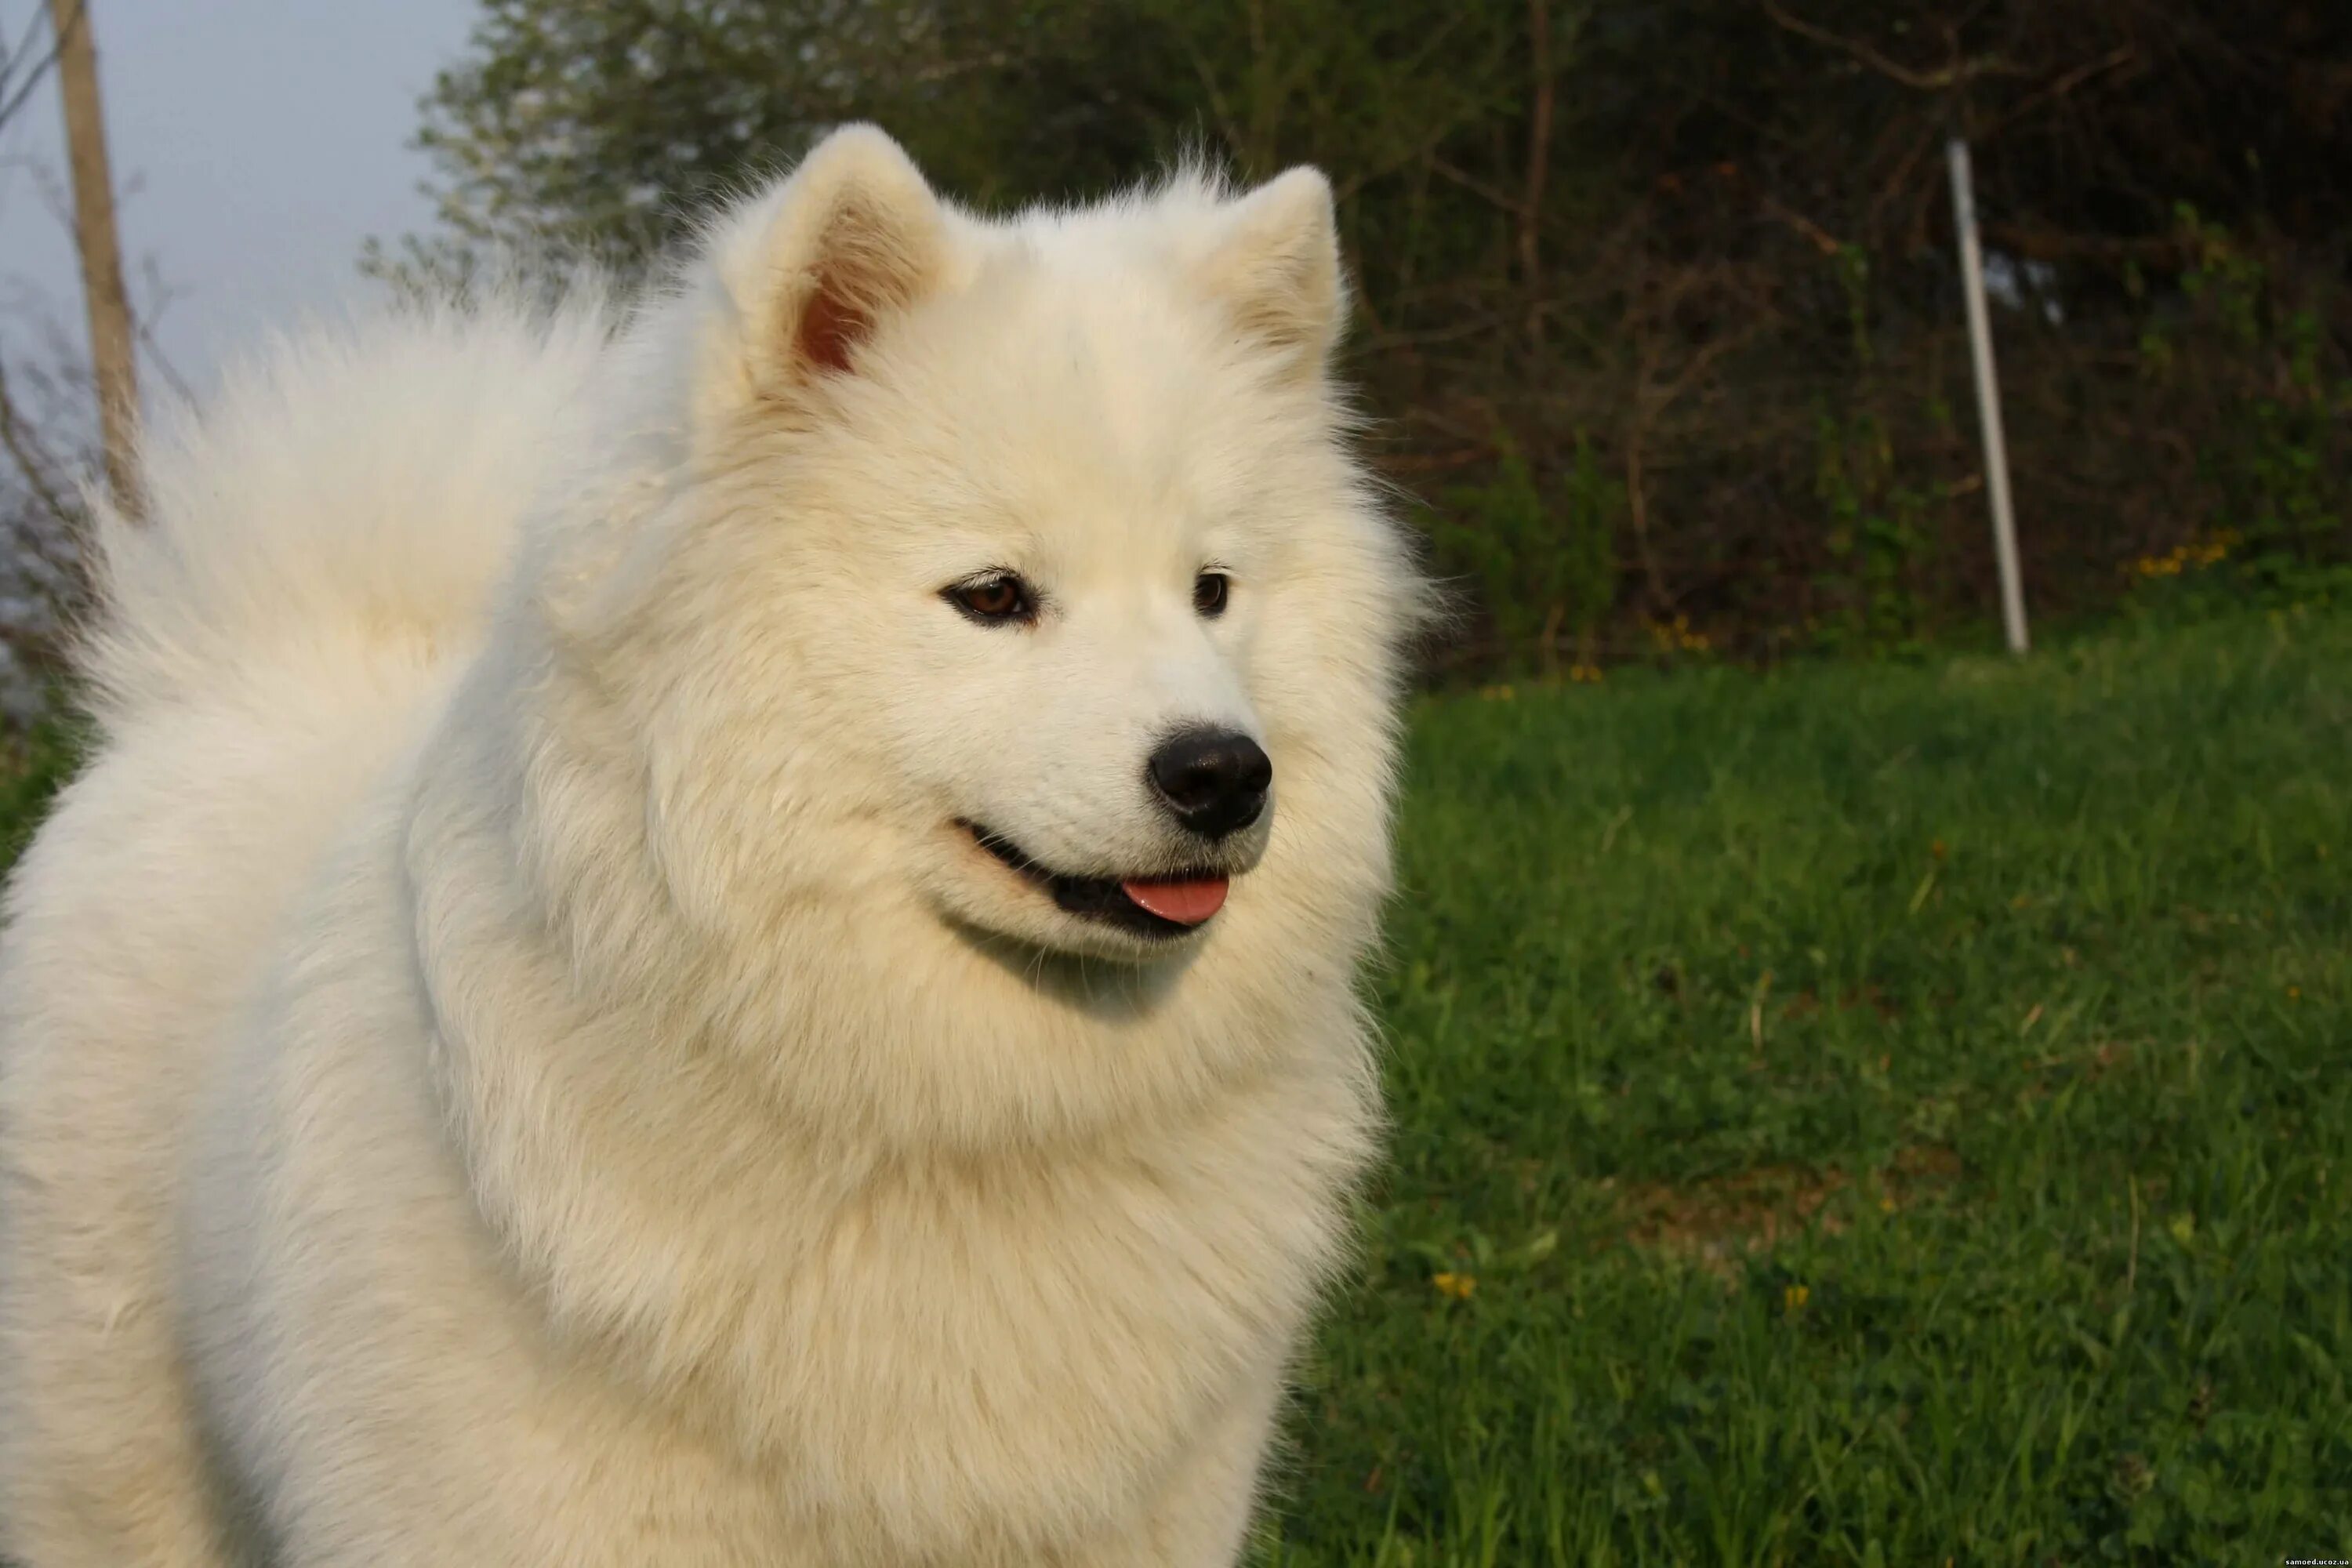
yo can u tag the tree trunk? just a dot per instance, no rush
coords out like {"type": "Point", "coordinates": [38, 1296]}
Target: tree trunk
{"type": "Point", "coordinates": [1539, 165]}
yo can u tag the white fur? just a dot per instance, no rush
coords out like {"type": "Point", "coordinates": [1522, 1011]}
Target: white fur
{"type": "Point", "coordinates": [509, 1058]}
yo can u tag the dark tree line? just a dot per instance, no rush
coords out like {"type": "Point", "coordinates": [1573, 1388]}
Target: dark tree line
{"type": "Point", "coordinates": [1658, 296]}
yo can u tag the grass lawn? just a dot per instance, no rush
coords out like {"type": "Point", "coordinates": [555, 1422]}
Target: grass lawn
{"type": "Point", "coordinates": [1861, 1115]}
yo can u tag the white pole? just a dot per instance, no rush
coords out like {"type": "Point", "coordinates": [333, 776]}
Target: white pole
{"type": "Point", "coordinates": [1996, 445]}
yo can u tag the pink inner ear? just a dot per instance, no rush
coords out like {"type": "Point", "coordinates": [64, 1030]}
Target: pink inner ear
{"type": "Point", "coordinates": [831, 326]}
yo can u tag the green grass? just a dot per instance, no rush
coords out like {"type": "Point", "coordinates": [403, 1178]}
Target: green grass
{"type": "Point", "coordinates": [1890, 1115]}
{"type": "Point", "coordinates": [32, 766]}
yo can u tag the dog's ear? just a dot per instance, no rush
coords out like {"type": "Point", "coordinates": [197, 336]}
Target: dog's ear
{"type": "Point", "coordinates": [806, 274]}
{"type": "Point", "coordinates": [1274, 263]}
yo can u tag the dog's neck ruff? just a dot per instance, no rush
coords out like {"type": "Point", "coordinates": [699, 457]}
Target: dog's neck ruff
{"type": "Point", "coordinates": [690, 1171]}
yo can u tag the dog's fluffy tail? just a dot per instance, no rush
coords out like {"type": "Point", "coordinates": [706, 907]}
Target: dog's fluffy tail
{"type": "Point", "coordinates": [350, 491]}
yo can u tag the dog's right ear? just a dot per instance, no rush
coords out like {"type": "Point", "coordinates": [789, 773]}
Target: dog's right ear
{"type": "Point", "coordinates": [808, 274]}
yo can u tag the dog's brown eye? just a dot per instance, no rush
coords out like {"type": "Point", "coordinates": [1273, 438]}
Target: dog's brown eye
{"type": "Point", "coordinates": [993, 601]}
{"type": "Point", "coordinates": [1209, 591]}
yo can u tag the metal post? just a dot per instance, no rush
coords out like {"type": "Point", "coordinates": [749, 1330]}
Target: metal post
{"type": "Point", "coordinates": [1996, 445]}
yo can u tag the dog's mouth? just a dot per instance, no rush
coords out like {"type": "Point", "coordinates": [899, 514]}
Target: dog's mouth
{"type": "Point", "coordinates": [1157, 906]}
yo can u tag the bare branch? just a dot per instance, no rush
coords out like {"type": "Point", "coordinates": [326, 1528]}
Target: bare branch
{"type": "Point", "coordinates": [944, 70]}
{"type": "Point", "coordinates": [1476, 186]}
{"type": "Point", "coordinates": [1940, 80]}
{"type": "Point", "coordinates": [160, 295]}
{"type": "Point", "coordinates": [1823, 239]}
{"type": "Point", "coordinates": [13, 96]}
{"type": "Point", "coordinates": [2123, 55]}
{"type": "Point", "coordinates": [32, 458]}
{"type": "Point", "coordinates": [2038, 245]}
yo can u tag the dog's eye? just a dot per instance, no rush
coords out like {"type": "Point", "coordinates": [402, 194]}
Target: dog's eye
{"type": "Point", "coordinates": [1209, 590]}
{"type": "Point", "coordinates": [993, 601]}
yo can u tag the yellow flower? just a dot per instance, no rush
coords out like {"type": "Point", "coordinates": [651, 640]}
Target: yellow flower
{"type": "Point", "coordinates": [1795, 1297]}
{"type": "Point", "coordinates": [1458, 1285]}
{"type": "Point", "coordinates": [1677, 633]}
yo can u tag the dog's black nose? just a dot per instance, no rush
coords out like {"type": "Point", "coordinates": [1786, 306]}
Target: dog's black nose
{"type": "Point", "coordinates": [1213, 781]}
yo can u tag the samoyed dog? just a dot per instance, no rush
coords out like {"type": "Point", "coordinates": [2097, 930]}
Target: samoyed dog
{"type": "Point", "coordinates": [720, 934]}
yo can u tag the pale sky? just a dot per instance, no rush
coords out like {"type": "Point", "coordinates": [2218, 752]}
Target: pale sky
{"type": "Point", "coordinates": [255, 143]}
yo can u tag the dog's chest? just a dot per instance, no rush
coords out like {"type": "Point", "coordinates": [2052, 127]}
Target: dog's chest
{"type": "Point", "coordinates": [1036, 1344]}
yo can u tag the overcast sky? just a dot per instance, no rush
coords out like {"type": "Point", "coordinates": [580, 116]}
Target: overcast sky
{"type": "Point", "coordinates": [255, 143]}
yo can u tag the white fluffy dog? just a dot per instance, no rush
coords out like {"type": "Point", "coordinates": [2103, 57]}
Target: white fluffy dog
{"type": "Point", "coordinates": [723, 936]}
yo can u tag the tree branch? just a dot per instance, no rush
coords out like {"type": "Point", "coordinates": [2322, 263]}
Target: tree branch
{"type": "Point", "coordinates": [18, 439]}
{"type": "Point", "coordinates": [1478, 187]}
{"type": "Point", "coordinates": [2123, 55]}
{"type": "Point", "coordinates": [12, 99]}
{"type": "Point", "coordinates": [1823, 239]}
{"type": "Point", "coordinates": [1539, 166]}
{"type": "Point", "coordinates": [1940, 80]}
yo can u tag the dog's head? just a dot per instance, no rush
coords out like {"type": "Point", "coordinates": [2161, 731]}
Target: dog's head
{"type": "Point", "coordinates": [1008, 572]}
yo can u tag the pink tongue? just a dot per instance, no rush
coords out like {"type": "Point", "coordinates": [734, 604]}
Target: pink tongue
{"type": "Point", "coordinates": [1186, 903]}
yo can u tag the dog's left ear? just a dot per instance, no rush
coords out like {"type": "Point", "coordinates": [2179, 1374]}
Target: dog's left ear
{"type": "Point", "coordinates": [1276, 265]}
{"type": "Point", "coordinates": [809, 273]}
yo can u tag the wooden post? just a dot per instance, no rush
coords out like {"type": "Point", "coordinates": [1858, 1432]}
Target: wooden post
{"type": "Point", "coordinates": [1996, 443]}
{"type": "Point", "coordinates": [112, 367]}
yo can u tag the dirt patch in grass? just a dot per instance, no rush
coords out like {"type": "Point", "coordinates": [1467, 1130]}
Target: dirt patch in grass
{"type": "Point", "coordinates": [1721, 1222]}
